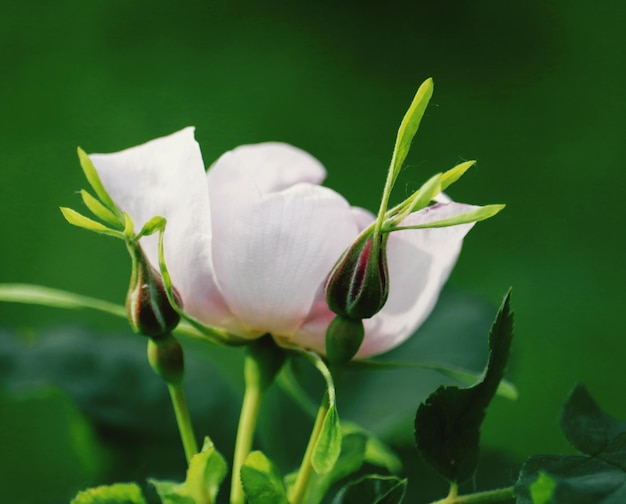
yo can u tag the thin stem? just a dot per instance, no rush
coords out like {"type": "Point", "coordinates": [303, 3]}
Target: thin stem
{"type": "Point", "coordinates": [262, 361]}
{"type": "Point", "coordinates": [183, 420]}
{"type": "Point", "coordinates": [488, 497]}
{"type": "Point", "coordinates": [306, 469]}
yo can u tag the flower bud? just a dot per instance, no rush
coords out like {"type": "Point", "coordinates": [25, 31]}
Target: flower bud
{"type": "Point", "coordinates": [149, 311]}
{"type": "Point", "coordinates": [166, 359]}
{"type": "Point", "coordinates": [357, 287]}
{"type": "Point", "coordinates": [343, 339]}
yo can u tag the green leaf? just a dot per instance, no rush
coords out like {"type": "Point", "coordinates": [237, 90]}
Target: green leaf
{"type": "Point", "coordinates": [101, 211]}
{"type": "Point", "coordinates": [353, 449]}
{"type": "Point", "coordinates": [451, 176]}
{"type": "Point", "coordinates": [410, 124]}
{"type": "Point", "coordinates": [94, 181]}
{"type": "Point", "coordinates": [542, 490]}
{"type": "Point", "coordinates": [328, 445]}
{"type": "Point", "coordinates": [373, 489]}
{"type": "Point", "coordinates": [79, 220]}
{"type": "Point", "coordinates": [477, 215]}
{"type": "Point", "coordinates": [261, 481]}
{"type": "Point", "coordinates": [205, 474]}
{"type": "Point", "coordinates": [447, 425]}
{"type": "Point", "coordinates": [118, 493]}
{"type": "Point", "coordinates": [598, 476]}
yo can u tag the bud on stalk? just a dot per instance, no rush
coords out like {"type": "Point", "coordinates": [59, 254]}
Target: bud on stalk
{"type": "Point", "coordinates": [357, 287]}
{"type": "Point", "coordinates": [149, 311]}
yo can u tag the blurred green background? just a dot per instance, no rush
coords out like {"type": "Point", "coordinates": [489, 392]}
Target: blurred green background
{"type": "Point", "coordinates": [533, 90]}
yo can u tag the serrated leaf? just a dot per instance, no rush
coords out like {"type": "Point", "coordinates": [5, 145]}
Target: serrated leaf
{"type": "Point", "coordinates": [542, 490]}
{"type": "Point", "coordinates": [205, 474]}
{"type": "Point", "coordinates": [447, 425]}
{"type": "Point", "coordinates": [94, 181]}
{"type": "Point", "coordinates": [261, 480]}
{"type": "Point", "coordinates": [409, 126]}
{"type": "Point", "coordinates": [452, 175]}
{"type": "Point", "coordinates": [99, 210]}
{"type": "Point", "coordinates": [597, 477]}
{"type": "Point", "coordinates": [372, 489]}
{"type": "Point", "coordinates": [79, 220]}
{"type": "Point", "coordinates": [118, 493]}
{"type": "Point", "coordinates": [477, 215]}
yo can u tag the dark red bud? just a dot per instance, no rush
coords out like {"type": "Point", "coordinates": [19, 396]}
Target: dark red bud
{"type": "Point", "coordinates": [357, 287]}
{"type": "Point", "coordinates": [149, 311]}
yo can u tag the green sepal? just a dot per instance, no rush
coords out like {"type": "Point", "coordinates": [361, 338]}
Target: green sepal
{"type": "Point", "coordinates": [409, 126]}
{"type": "Point", "coordinates": [447, 425]}
{"type": "Point", "coordinates": [118, 493]}
{"type": "Point", "coordinates": [453, 174]}
{"type": "Point", "coordinates": [476, 215]}
{"type": "Point", "coordinates": [152, 226]}
{"type": "Point", "coordinates": [100, 210]}
{"type": "Point", "coordinates": [205, 474]}
{"type": "Point", "coordinates": [79, 220]}
{"type": "Point", "coordinates": [94, 181]}
{"type": "Point", "coordinates": [373, 489]}
{"type": "Point", "coordinates": [421, 198]}
{"type": "Point", "coordinates": [261, 480]}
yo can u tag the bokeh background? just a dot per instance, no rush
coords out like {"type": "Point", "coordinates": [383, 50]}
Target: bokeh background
{"type": "Point", "coordinates": [533, 90]}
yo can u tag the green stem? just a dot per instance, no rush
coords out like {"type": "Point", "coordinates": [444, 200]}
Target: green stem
{"type": "Point", "coordinates": [488, 497]}
{"type": "Point", "coordinates": [261, 363]}
{"type": "Point", "coordinates": [184, 421]}
{"type": "Point", "coordinates": [306, 469]}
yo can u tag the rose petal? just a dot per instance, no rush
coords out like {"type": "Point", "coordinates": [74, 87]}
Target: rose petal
{"type": "Point", "coordinates": [166, 177]}
{"type": "Point", "coordinates": [272, 250]}
{"type": "Point", "coordinates": [420, 261]}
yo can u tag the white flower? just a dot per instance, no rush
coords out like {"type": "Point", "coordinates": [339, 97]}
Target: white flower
{"type": "Point", "coordinates": [250, 243]}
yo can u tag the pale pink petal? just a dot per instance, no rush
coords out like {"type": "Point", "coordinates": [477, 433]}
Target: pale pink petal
{"type": "Point", "coordinates": [166, 177]}
{"type": "Point", "coordinates": [420, 262]}
{"type": "Point", "coordinates": [272, 253]}
{"type": "Point", "coordinates": [273, 166]}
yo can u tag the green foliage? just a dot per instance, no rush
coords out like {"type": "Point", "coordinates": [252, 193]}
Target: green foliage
{"type": "Point", "coordinates": [373, 489]}
{"type": "Point", "coordinates": [49, 445]}
{"type": "Point", "coordinates": [79, 220]}
{"type": "Point", "coordinates": [261, 480]}
{"type": "Point", "coordinates": [94, 181]}
{"type": "Point", "coordinates": [453, 174]}
{"type": "Point", "coordinates": [205, 474]}
{"type": "Point", "coordinates": [599, 475]}
{"type": "Point", "coordinates": [476, 215]}
{"type": "Point", "coordinates": [118, 493]}
{"type": "Point", "coordinates": [447, 425]}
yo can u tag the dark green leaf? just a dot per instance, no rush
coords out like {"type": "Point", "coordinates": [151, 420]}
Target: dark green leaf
{"type": "Point", "coordinates": [372, 489]}
{"type": "Point", "coordinates": [118, 493]}
{"type": "Point", "coordinates": [261, 481]}
{"type": "Point", "coordinates": [585, 425]}
{"type": "Point", "coordinates": [447, 425]}
{"type": "Point", "coordinates": [597, 477]}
